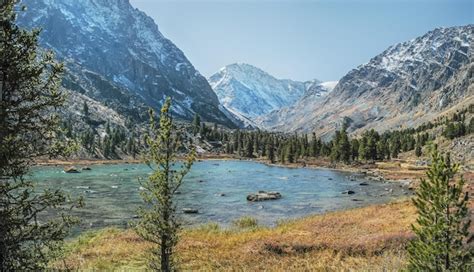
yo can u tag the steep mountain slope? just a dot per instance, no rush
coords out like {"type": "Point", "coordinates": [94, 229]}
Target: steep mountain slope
{"type": "Point", "coordinates": [283, 118]}
{"type": "Point", "coordinates": [248, 92]}
{"type": "Point", "coordinates": [407, 84]}
{"type": "Point", "coordinates": [122, 46]}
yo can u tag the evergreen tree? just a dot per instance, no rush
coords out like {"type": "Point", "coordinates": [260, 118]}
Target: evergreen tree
{"type": "Point", "coordinates": [249, 149]}
{"type": "Point", "coordinates": [344, 147]}
{"type": "Point", "coordinates": [354, 149]}
{"type": "Point", "coordinates": [158, 223]}
{"type": "Point", "coordinates": [418, 149]}
{"type": "Point", "coordinates": [196, 123]}
{"type": "Point", "coordinates": [282, 154]}
{"type": "Point", "coordinates": [290, 153]}
{"type": "Point", "coordinates": [85, 110]}
{"type": "Point", "coordinates": [394, 147]}
{"type": "Point", "coordinates": [315, 146]}
{"type": "Point", "coordinates": [271, 151]}
{"type": "Point", "coordinates": [29, 126]}
{"type": "Point", "coordinates": [442, 227]}
{"type": "Point", "coordinates": [362, 149]}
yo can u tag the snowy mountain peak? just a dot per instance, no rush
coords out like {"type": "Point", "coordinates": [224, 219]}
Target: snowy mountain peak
{"type": "Point", "coordinates": [249, 91]}
{"type": "Point", "coordinates": [432, 48]}
{"type": "Point", "coordinates": [421, 77]}
{"type": "Point", "coordinates": [122, 44]}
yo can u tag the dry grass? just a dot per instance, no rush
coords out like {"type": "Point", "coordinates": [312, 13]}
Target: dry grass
{"type": "Point", "coordinates": [365, 239]}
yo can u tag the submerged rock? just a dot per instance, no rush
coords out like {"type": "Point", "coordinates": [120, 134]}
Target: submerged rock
{"type": "Point", "coordinates": [190, 210]}
{"type": "Point", "coordinates": [349, 192]}
{"type": "Point", "coordinates": [86, 168]}
{"type": "Point", "coordinates": [71, 170]}
{"type": "Point", "coordinates": [363, 183]}
{"type": "Point", "coordinates": [262, 196]}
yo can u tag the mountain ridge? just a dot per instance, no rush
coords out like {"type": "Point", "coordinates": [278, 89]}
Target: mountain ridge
{"type": "Point", "coordinates": [125, 47]}
{"type": "Point", "coordinates": [387, 92]}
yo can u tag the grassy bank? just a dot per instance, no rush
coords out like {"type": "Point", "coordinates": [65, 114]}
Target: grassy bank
{"type": "Point", "coordinates": [370, 238]}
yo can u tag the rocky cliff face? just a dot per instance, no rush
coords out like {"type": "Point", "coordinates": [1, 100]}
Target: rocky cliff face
{"type": "Point", "coordinates": [407, 84]}
{"type": "Point", "coordinates": [115, 52]}
{"type": "Point", "coordinates": [249, 92]}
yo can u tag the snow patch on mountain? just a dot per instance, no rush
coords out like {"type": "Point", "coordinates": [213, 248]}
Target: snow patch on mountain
{"type": "Point", "coordinates": [248, 91]}
{"type": "Point", "coordinates": [123, 45]}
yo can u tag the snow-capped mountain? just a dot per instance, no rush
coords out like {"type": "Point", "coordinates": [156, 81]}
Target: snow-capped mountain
{"type": "Point", "coordinates": [407, 84]}
{"type": "Point", "coordinates": [248, 91]}
{"type": "Point", "coordinates": [123, 47]}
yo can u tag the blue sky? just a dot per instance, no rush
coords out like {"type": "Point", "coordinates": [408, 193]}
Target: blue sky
{"type": "Point", "coordinates": [297, 39]}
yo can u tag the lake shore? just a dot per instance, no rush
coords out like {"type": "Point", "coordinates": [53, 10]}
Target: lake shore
{"type": "Point", "coordinates": [395, 170]}
{"type": "Point", "coordinates": [372, 238]}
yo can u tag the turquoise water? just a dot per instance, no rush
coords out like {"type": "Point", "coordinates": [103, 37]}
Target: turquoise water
{"type": "Point", "coordinates": [112, 197]}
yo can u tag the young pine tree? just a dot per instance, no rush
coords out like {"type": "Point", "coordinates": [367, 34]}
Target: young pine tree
{"type": "Point", "coordinates": [158, 223]}
{"type": "Point", "coordinates": [442, 227]}
{"type": "Point", "coordinates": [29, 95]}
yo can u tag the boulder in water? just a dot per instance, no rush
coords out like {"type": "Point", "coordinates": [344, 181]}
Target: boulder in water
{"type": "Point", "coordinates": [262, 196]}
{"type": "Point", "coordinates": [349, 192]}
{"type": "Point", "coordinates": [363, 183]}
{"type": "Point", "coordinates": [71, 170]}
{"type": "Point", "coordinates": [86, 168]}
{"type": "Point", "coordinates": [190, 210]}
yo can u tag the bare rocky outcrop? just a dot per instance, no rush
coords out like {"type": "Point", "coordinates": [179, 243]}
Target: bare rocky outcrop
{"type": "Point", "coordinates": [404, 86]}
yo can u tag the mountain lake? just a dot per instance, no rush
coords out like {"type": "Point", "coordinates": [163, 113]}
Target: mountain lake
{"type": "Point", "coordinates": [218, 190]}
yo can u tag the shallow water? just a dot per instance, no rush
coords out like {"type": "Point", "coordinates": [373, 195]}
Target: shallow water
{"type": "Point", "coordinates": [112, 197]}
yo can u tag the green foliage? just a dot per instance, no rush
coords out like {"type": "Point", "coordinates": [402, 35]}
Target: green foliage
{"type": "Point", "coordinates": [442, 227]}
{"type": "Point", "coordinates": [29, 128]}
{"type": "Point", "coordinates": [454, 130]}
{"type": "Point", "coordinates": [158, 223]}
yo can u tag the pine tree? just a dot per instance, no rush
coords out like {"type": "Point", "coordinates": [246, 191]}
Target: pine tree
{"type": "Point", "coordinates": [249, 149]}
{"type": "Point", "coordinates": [344, 147]}
{"type": "Point", "coordinates": [354, 149]}
{"type": "Point", "coordinates": [85, 109]}
{"type": "Point", "coordinates": [158, 223]}
{"type": "Point", "coordinates": [442, 227]}
{"type": "Point", "coordinates": [418, 149]}
{"type": "Point", "coordinates": [271, 151]}
{"type": "Point", "coordinates": [196, 123]}
{"type": "Point", "coordinates": [29, 126]}
{"type": "Point", "coordinates": [290, 153]}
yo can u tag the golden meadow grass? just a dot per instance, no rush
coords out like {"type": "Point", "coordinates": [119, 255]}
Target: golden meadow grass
{"type": "Point", "coordinates": [364, 239]}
